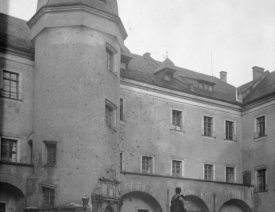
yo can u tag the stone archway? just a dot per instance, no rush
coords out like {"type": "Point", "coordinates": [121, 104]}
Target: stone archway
{"type": "Point", "coordinates": [195, 204]}
{"type": "Point", "coordinates": [235, 205]}
{"type": "Point", "coordinates": [12, 197]}
{"type": "Point", "coordinates": [139, 201]}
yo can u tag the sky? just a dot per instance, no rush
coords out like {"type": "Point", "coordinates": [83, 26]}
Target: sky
{"type": "Point", "coordinates": [206, 36]}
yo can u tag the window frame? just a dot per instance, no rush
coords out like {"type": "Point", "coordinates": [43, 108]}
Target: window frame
{"type": "Point", "coordinates": [181, 174]}
{"type": "Point", "coordinates": [258, 188]}
{"type": "Point", "coordinates": [110, 52]}
{"type": "Point", "coordinates": [48, 145]}
{"type": "Point", "coordinates": [152, 165]}
{"type": "Point", "coordinates": [234, 174]}
{"type": "Point", "coordinates": [257, 132]}
{"type": "Point", "coordinates": [213, 171]}
{"type": "Point", "coordinates": [179, 127]}
{"type": "Point", "coordinates": [17, 157]}
{"type": "Point", "coordinates": [49, 187]}
{"type": "Point", "coordinates": [234, 137]}
{"type": "Point", "coordinates": [3, 92]}
{"type": "Point", "coordinates": [212, 135]}
{"type": "Point", "coordinates": [110, 107]}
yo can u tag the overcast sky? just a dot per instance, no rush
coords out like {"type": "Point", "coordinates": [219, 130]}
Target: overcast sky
{"type": "Point", "coordinates": [207, 36]}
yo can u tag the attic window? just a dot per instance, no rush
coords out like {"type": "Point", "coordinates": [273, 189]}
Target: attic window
{"type": "Point", "coordinates": [206, 86]}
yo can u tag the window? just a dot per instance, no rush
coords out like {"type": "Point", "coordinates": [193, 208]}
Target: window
{"type": "Point", "coordinates": [8, 149]}
{"type": "Point", "coordinates": [206, 86]}
{"type": "Point", "coordinates": [110, 52]}
{"type": "Point", "coordinates": [207, 126]}
{"type": "Point", "coordinates": [110, 114]}
{"type": "Point", "coordinates": [121, 108]}
{"type": "Point", "coordinates": [48, 197]}
{"type": "Point", "coordinates": [177, 168]}
{"type": "Point", "coordinates": [2, 207]}
{"type": "Point", "coordinates": [208, 172]}
{"type": "Point", "coordinates": [260, 126]}
{"type": "Point", "coordinates": [51, 152]}
{"type": "Point", "coordinates": [229, 130]}
{"type": "Point", "coordinates": [177, 121]}
{"type": "Point", "coordinates": [10, 85]}
{"type": "Point", "coordinates": [230, 174]}
{"type": "Point", "coordinates": [147, 165]}
{"type": "Point", "coordinates": [261, 180]}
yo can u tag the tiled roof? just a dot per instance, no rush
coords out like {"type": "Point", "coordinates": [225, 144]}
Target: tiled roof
{"type": "Point", "coordinates": [140, 69]}
{"type": "Point", "coordinates": [15, 34]}
{"type": "Point", "coordinates": [263, 89]}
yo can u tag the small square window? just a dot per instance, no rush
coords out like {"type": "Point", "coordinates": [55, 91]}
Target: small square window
{"type": "Point", "coordinates": [147, 165]}
{"type": "Point", "coordinates": [260, 127]}
{"type": "Point", "coordinates": [48, 197]}
{"type": "Point", "coordinates": [177, 168]}
{"type": "Point", "coordinates": [51, 152]}
{"type": "Point", "coordinates": [261, 180]}
{"type": "Point", "coordinates": [207, 126]}
{"type": "Point", "coordinates": [8, 149]}
{"type": "Point", "coordinates": [230, 174]}
{"type": "Point", "coordinates": [10, 85]}
{"type": "Point", "coordinates": [208, 172]}
{"type": "Point", "coordinates": [110, 114]}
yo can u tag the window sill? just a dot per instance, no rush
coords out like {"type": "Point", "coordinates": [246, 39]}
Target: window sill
{"type": "Point", "coordinates": [259, 138]}
{"type": "Point", "coordinates": [264, 191]}
{"type": "Point", "coordinates": [210, 137]}
{"type": "Point", "coordinates": [114, 74]}
{"type": "Point", "coordinates": [113, 129]}
{"type": "Point", "coordinates": [15, 163]}
{"type": "Point", "coordinates": [231, 140]}
{"type": "Point", "coordinates": [177, 129]}
{"type": "Point", "coordinates": [49, 166]}
{"type": "Point", "coordinates": [11, 99]}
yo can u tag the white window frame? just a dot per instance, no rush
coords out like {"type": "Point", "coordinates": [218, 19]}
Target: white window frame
{"type": "Point", "coordinates": [153, 164]}
{"type": "Point", "coordinates": [18, 143]}
{"type": "Point", "coordinates": [234, 130]}
{"type": "Point", "coordinates": [113, 111]}
{"type": "Point", "coordinates": [42, 185]}
{"type": "Point", "coordinates": [213, 165]}
{"type": "Point", "coordinates": [2, 83]}
{"type": "Point", "coordinates": [256, 178]}
{"type": "Point", "coordinates": [112, 51]}
{"type": "Point", "coordinates": [256, 133]}
{"type": "Point", "coordinates": [174, 127]}
{"type": "Point", "coordinates": [225, 174]}
{"type": "Point", "coordinates": [182, 167]}
{"type": "Point", "coordinates": [213, 130]}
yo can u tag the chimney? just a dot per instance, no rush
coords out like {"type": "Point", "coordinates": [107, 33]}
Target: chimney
{"type": "Point", "coordinates": [223, 76]}
{"type": "Point", "coordinates": [257, 72]}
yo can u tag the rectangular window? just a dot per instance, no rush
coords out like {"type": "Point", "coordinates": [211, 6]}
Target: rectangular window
{"type": "Point", "coordinates": [2, 207]}
{"type": "Point", "coordinates": [147, 164]}
{"type": "Point", "coordinates": [260, 126]}
{"type": "Point", "coordinates": [110, 114]}
{"type": "Point", "coordinates": [208, 172]}
{"type": "Point", "coordinates": [229, 130]}
{"type": "Point", "coordinates": [10, 85]}
{"type": "Point", "coordinates": [177, 119]}
{"type": "Point", "coordinates": [208, 126]}
{"type": "Point", "coordinates": [8, 149]}
{"type": "Point", "coordinates": [230, 174]}
{"type": "Point", "coordinates": [51, 152]}
{"type": "Point", "coordinates": [48, 197]}
{"type": "Point", "coordinates": [109, 56]}
{"type": "Point", "coordinates": [177, 168]}
{"type": "Point", "coordinates": [261, 180]}
{"type": "Point", "coordinates": [121, 108]}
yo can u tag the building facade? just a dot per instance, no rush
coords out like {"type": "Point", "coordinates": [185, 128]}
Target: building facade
{"type": "Point", "coordinates": [81, 116]}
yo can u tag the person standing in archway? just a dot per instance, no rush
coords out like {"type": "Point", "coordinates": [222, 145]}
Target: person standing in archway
{"type": "Point", "coordinates": [177, 202]}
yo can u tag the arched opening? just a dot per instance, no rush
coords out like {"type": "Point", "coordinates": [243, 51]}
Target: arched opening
{"type": "Point", "coordinates": [140, 202]}
{"type": "Point", "coordinates": [235, 205]}
{"type": "Point", "coordinates": [11, 197]}
{"type": "Point", "coordinates": [195, 204]}
{"type": "Point", "coordinates": [109, 209]}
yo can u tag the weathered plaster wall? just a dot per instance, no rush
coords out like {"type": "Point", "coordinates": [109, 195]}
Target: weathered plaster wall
{"type": "Point", "coordinates": [71, 86]}
{"type": "Point", "coordinates": [147, 131]}
{"type": "Point", "coordinates": [259, 153]}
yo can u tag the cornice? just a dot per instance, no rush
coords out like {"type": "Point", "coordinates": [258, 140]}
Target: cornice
{"type": "Point", "coordinates": [77, 7]}
{"type": "Point", "coordinates": [168, 93]}
{"type": "Point", "coordinates": [17, 51]}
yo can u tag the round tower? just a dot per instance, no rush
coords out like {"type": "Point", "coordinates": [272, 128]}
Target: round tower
{"type": "Point", "coordinates": [76, 98]}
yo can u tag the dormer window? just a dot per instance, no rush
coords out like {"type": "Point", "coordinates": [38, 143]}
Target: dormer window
{"type": "Point", "coordinates": [206, 86]}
